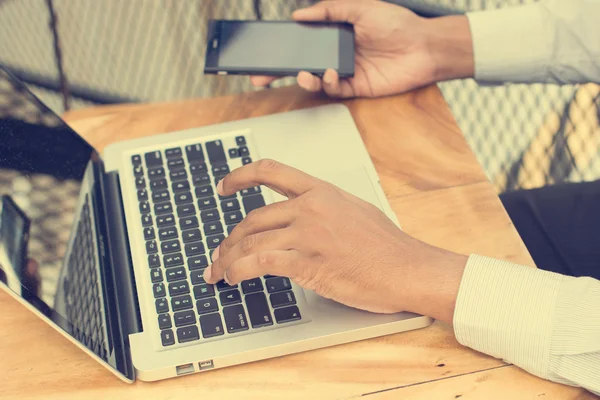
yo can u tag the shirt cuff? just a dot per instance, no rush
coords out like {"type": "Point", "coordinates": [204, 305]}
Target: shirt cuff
{"type": "Point", "coordinates": [510, 44]}
{"type": "Point", "coordinates": [507, 311]}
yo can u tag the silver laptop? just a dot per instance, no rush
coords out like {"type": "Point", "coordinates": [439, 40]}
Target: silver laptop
{"type": "Point", "coordinates": [116, 245]}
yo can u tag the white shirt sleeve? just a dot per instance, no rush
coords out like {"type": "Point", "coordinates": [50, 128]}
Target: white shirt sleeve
{"type": "Point", "coordinates": [553, 41]}
{"type": "Point", "coordinates": [546, 323]}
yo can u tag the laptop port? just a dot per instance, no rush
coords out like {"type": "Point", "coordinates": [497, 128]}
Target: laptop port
{"type": "Point", "coordinates": [203, 365]}
{"type": "Point", "coordinates": [185, 369]}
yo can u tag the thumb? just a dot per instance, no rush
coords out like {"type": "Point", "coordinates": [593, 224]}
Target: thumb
{"type": "Point", "coordinates": [331, 10]}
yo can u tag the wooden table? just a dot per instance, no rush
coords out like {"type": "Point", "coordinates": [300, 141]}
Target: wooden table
{"type": "Point", "coordinates": [440, 195]}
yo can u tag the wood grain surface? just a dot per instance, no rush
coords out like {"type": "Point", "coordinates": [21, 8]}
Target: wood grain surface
{"type": "Point", "coordinates": [440, 195]}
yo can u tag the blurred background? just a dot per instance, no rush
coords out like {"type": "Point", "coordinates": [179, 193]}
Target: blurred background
{"type": "Point", "coordinates": [76, 54]}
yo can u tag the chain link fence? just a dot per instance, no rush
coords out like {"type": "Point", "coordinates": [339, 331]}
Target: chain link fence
{"type": "Point", "coordinates": [153, 50]}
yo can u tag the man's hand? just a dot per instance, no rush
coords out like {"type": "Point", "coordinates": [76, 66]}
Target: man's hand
{"type": "Point", "coordinates": [334, 243]}
{"type": "Point", "coordinates": [396, 50]}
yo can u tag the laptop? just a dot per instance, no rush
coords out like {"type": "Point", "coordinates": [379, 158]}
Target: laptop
{"type": "Point", "coordinates": [118, 243]}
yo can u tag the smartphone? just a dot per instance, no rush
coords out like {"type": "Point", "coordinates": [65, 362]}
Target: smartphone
{"type": "Point", "coordinates": [279, 48]}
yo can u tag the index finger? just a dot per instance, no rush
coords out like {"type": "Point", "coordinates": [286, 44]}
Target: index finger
{"type": "Point", "coordinates": [283, 179]}
{"type": "Point", "coordinates": [260, 80]}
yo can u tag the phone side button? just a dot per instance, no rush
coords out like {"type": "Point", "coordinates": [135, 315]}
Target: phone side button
{"type": "Point", "coordinates": [222, 73]}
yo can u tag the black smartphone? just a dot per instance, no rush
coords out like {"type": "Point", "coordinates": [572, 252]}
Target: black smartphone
{"type": "Point", "coordinates": [279, 48]}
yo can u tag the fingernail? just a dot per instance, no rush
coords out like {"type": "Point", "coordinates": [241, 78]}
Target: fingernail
{"type": "Point", "coordinates": [220, 187]}
{"type": "Point", "coordinates": [225, 278]}
{"type": "Point", "coordinates": [215, 254]}
{"type": "Point", "coordinates": [327, 78]}
{"type": "Point", "coordinates": [207, 273]}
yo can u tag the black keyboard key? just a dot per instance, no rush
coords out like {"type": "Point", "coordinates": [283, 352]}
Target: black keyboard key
{"type": "Point", "coordinates": [197, 277]}
{"type": "Point", "coordinates": [181, 303]}
{"type": "Point", "coordinates": [218, 179]}
{"type": "Point", "coordinates": [206, 203]}
{"type": "Point", "coordinates": [163, 208]}
{"type": "Point", "coordinates": [161, 195]}
{"type": "Point", "coordinates": [156, 173]}
{"type": "Point", "coordinates": [230, 205]}
{"type": "Point", "coordinates": [174, 152]}
{"type": "Point", "coordinates": [287, 314]}
{"type": "Point", "coordinates": [153, 159]}
{"type": "Point", "coordinates": [244, 151]}
{"type": "Point", "coordinates": [233, 217]}
{"type": "Point", "coordinates": [252, 285]}
{"type": "Point", "coordinates": [207, 305]}
{"type": "Point", "coordinates": [170, 246]}
{"type": "Point", "coordinates": [164, 321]}
{"type": "Point", "coordinates": [159, 290]}
{"type": "Point", "coordinates": [231, 196]}
{"type": "Point", "coordinates": [203, 291]}
{"type": "Point", "coordinates": [191, 235]}
{"type": "Point", "coordinates": [183, 318]}
{"type": "Point", "coordinates": [147, 220]}
{"type": "Point", "coordinates": [173, 260]}
{"type": "Point", "coordinates": [165, 220]}
{"type": "Point", "coordinates": [278, 284]}
{"type": "Point", "coordinates": [138, 171]}
{"type": "Point", "coordinates": [176, 274]}
{"type": "Point", "coordinates": [204, 191]}
{"type": "Point", "coordinates": [140, 182]}
{"type": "Point", "coordinates": [158, 184]}
{"type": "Point", "coordinates": [212, 228]}
{"type": "Point", "coordinates": [153, 261]}
{"type": "Point", "coordinates": [246, 160]}
{"type": "Point", "coordinates": [167, 233]}
{"type": "Point", "coordinates": [230, 228]}
{"type": "Point", "coordinates": [178, 175]}
{"type": "Point", "coordinates": [222, 285]}
{"type": "Point", "coordinates": [198, 262]}
{"type": "Point", "coordinates": [214, 241]}
{"type": "Point", "coordinates": [186, 210]}
{"type": "Point", "coordinates": [188, 334]}
{"type": "Point", "coordinates": [176, 163]}
{"type": "Point", "coordinates": [156, 275]}
{"type": "Point", "coordinates": [183, 198]}
{"type": "Point", "coordinates": [211, 325]}
{"type": "Point", "coordinates": [167, 338]}
{"type": "Point", "coordinates": [136, 159]}
{"type": "Point", "coordinates": [282, 299]}
{"type": "Point", "coordinates": [221, 169]}
{"type": "Point", "coordinates": [142, 195]}
{"type": "Point", "coordinates": [253, 202]}
{"type": "Point", "coordinates": [188, 222]}
{"type": "Point", "coordinates": [215, 151]}
{"type": "Point", "coordinates": [201, 180]}
{"type": "Point", "coordinates": [250, 191]}
{"type": "Point", "coordinates": [235, 318]}
{"type": "Point", "coordinates": [177, 288]}
{"type": "Point", "coordinates": [193, 249]}
{"type": "Point", "coordinates": [144, 207]}
{"type": "Point", "coordinates": [240, 140]}
{"type": "Point", "coordinates": [149, 233]}
{"type": "Point", "coordinates": [234, 153]}
{"type": "Point", "coordinates": [196, 169]}
{"type": "Point", "coordinates": [151, 247]}
{"type": "Point", "coordinates": [230, 297]}
{"type": "Point", "coordinates": [180, 186]}
{"type": "Point", "coordinates": [210, 215]}
{"type": "Point", "coordinates": [194, 153]}
{"type": "Point", "coordinates": [162, 305]}
{"type": "Point", "coordinates": [258, 310]}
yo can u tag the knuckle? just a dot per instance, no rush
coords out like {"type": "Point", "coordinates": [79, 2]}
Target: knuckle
{"type": "Point", "coordinates": [267, 166]}
{"type": "Point", "coordinates": [311, 203]}
{"type": "Point", "coordinates": [265, 260]}
{"type": "Point", "coordinates": [248, 243]}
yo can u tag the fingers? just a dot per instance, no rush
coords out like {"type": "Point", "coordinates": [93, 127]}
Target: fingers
{"type": "Point", "coordinates": [341, 11]}
{"type": "Point", "coordinates": [258, 243]}
{"type": "Point", "coordinates": [259, 80]}
{"type": "Point", "coordinates": [309, 82]}
{"type": "Point", "coordinates": [280, 177]}
{"type": "Point", "coordinates": [330, 84]}
{"type": "Point", "coordinates": [275, 262]}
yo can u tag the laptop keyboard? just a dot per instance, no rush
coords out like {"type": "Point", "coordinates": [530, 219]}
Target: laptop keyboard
{"type": "Point", "coordinates": [184, 220]}
{"type": "Point", "coordinates": [84, 310]}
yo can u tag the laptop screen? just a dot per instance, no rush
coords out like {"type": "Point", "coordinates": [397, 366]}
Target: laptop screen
{"type": "Point", "coordinates": [47, 235]}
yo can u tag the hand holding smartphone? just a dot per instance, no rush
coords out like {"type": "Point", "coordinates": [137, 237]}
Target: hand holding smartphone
{"type": "Point", "coordinates": [279, 48]}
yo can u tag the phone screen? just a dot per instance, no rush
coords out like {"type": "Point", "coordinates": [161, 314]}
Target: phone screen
{"type": "Point", "coordinates": [278, 45]}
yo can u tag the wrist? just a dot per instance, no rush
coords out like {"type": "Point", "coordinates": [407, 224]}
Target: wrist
{"type": "Point", "coordinates": [450, 45]}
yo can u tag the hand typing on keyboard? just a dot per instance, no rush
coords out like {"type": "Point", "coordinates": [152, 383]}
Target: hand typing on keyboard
{"type": "Point", "coordinates": [334, 243]}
